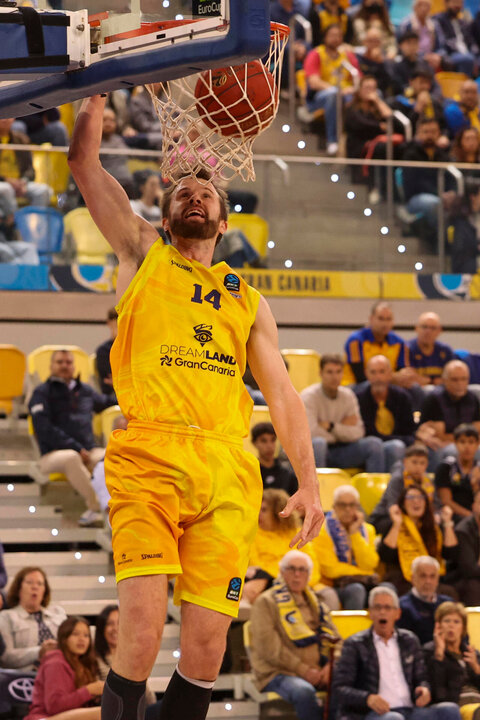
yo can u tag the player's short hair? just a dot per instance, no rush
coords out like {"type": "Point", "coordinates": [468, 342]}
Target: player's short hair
{"type": "Point", "coordinates": [112, 314]}
{"type": "Point", "coordinates": [332, 358]}
{"type": "Point", "coordinates": [416, 450]}
{"type": "Point", "coordinates": [263, 428]}
{"type": "Point", "coordinates": [466, 430]}
{"type": "Point", "coordinates": [200, 175]}
{"type": "Point", "coordinates": [425, 560]}
{"type": "Point", "coordinates": [452, 608]}
{"type": "Point", "coordinates": [383, 590]}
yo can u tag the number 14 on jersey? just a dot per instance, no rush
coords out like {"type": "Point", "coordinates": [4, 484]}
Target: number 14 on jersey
{"type": "Point", "coordinates": [212, 297]}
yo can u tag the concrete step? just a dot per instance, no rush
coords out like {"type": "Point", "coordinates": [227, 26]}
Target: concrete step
{"type": "Point", "coordinates": [82, 587]}
{"type": "Point", "coordinates": [95, 562]}
{"type": "Point", "coordinates": [10, 490]}
{"type": "Point", "coordinates": [33, 536]}
{"type": "Point", "coordinates": [29, 516]}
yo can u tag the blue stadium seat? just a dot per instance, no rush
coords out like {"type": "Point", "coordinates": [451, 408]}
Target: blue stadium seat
{"type": "Point", "coordinates": [43, 227]}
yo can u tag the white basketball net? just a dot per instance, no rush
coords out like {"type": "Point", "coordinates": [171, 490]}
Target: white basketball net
{"type": "Point", "coordinates": [189, 145]}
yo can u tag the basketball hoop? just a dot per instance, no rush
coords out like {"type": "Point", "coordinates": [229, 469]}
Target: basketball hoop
{"type": "Point", "coordinates": [210, 120]}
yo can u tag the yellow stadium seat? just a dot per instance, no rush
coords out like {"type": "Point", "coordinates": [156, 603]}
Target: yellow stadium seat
{"type": "Point", "coordinates": [450, 83]}
{"type": "Point", "coordinates": [90, 246]}
{"type": "Point", "coordinates": [260, 413]}
{"type": "Point", "coordinates": [329, 479]}
{"type": "Point", "coordinates": [51, 168]}
{"type": "Point", "coordinates": [473, 626]}
{"type": "Point", "coordinates": [371, 487]}
{"type": "Point", "coordinates": [38, 362]}
{"type": "Point", "coordinates": [107, 418]}
{"type": "Point", "coordinates": [136, 164]}
{"type": "Point", "coordinates": [67, 116]}
{"type": "Point", "coordinates": [254, 227]}
{"type": "Point", "coordinates": [349, 622]}
{"type": "Point", "coordinates": [438, 6]}
{"type": "Point", "coordinates": [12, 375]}
{"type": "Point", "coordinates": [303, 367]}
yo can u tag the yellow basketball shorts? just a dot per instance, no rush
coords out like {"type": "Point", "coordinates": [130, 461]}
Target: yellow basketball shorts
{"type": "Point", "coordinates": [184, 502]}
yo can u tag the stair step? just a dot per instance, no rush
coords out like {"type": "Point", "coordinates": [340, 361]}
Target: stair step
{"type": "Point", "coordinates": [61, 562]}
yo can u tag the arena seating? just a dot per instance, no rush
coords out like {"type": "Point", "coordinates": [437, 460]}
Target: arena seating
{"type": "Point", "coordinates": [303, 367]}
{"type": "Point", "coordinates": [44, 228]}
{"type": "Point", "coordinates": [371, 487]}
{"type": "Point", "coordinates": [89, 245]}
{"type": "Point", "coordinates": [12, 375]}
{"type": "Point", "coordinates": [255, 229]}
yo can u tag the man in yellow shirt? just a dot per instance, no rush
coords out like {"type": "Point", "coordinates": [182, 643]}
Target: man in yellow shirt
{"type": "Point", "coordinates": [185, 496]}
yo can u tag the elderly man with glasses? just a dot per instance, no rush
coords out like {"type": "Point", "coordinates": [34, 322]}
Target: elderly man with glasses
{"type": "Point", "coordinates": [291, 634]}
{"type": "Point", "coordinates": [381, 672]}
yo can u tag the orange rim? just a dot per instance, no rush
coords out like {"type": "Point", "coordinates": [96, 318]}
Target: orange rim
{"type": "Point", "coordinates": [279, 29]}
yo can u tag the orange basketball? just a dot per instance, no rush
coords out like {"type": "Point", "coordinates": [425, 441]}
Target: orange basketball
{"type": "Point", "coordinates": [247, 91]}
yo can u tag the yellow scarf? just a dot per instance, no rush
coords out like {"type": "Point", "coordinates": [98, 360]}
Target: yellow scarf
{"type": "Point", "coordinates": [410, 545]}
{"type": "Point", "coordinates": [292, 620]}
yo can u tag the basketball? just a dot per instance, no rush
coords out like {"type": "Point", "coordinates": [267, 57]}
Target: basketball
{"type": "Point", "coordinates": [238, 99]}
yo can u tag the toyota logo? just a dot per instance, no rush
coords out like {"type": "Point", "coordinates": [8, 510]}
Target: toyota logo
{"type": "Point", "coordinates": [21, 689]}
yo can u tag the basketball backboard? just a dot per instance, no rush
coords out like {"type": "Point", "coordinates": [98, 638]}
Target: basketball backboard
{"type": "Point", "coordinates": [63, 50]}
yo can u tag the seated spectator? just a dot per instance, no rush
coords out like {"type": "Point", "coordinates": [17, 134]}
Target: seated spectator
{"type": "Point", "coordinates": [428, 356]}
{"type": "Point", "coordinates": [291, 633]}
{"type": "Point", "coordinates": [29, 625]}
{"type": "Point", "coordinates": [272, 541]}
{"type": "Point", "coordinates": [418, 606]}
{"type": "Point", "coordinates": [414, 532]}
{"type": "Point", "coordinates": [417, 102]}
{"type": "Point", "coordinates": [116, 165]}
{"type": "Point", "coordinates": [381, 672]}
{"type": "Point", "coordinates": [420, 185]}
{"type": "Point", "coordinates": [371, 59]}
{"type": "Point", "coordinates": [102, 354]}
{"type": "Point", "coordinates": [345, 550]}
{"type": "Point", "coordinates": [252, 387]}
{"type": "Point", "coordinates": [335, 422]}
{"type": "Point", "coordinates": [457, 478]}
{"type": "Point", "coordinates": [468, 567]}
{"type": "Point", "coordinates": [275, 474]}
{"type": "Point", "coordinates": [409, 61]}
{"type": "Point", "coordinates": [106, 641]}
{"type": "Point", "coordinates": [465, 112]}
{"type": "Point", "coordinates": [149, 203]}
{"type": "Point", "coordinates": [420, 22]}
{"type": "Point", "coordinates": [412, 472]}
{"type": "Point", "coordinates": [457, 43]}
{"type": "Point", "coordinates": [67, 679]}
{"type": "Point", "coordinates": [62, 410]}
{"type": "Point", "coordinates": [374, 13]}
{"type": "Point", "coordinates": [3, 580]}
{"type": "Point", "coordinates": [444, 409]}
{"type": "Point", "coordinates": [236, 251]}
{"type": "Point", "coordinates": [326, 13]}
{"type": "Point", "coordinates": [386, 410]}
{"type": "Point", "coordinates": [366, 126]}
{"type": "Point", "coordinates": [322, 67]}
{"type": "Point", "coordinates": [282, 11]}
{"type": "Point", "coordinates": [143, 117]}
{"type": "Point", "coordinates": [43, 127]}
{"type": "Point", "coordinates": [17, 181]}
{"type": "Point", "coordinates": [464, 216]}
{"type": "Point", "coordinates": [466, 149]}
{"type": "Point", "coordinates": [377, 338]}
{"type": "Point", "coordinates": [98, 476]}
{"type": "Point", "coordinates": [453, 664]}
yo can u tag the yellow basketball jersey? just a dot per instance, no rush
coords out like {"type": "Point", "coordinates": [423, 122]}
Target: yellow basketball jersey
{"type": "Point", "coordinates": [180, 352]}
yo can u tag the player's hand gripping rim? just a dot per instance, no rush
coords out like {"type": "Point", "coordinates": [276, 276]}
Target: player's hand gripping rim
{"type": "Point", "coordinates": [309, 500]}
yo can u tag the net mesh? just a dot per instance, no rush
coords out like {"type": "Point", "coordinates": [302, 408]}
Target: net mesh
{"type": "Point", "coordinates": [204, 129]}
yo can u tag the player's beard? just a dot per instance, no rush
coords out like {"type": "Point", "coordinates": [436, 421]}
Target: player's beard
{"type": "Point", "coordinates": [180, 227]}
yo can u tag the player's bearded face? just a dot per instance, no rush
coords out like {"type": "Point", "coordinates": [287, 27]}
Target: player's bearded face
{"type": "Point", "coordinates": [194, 211]}
{"type": "Point", "coordinates": [192, 226]}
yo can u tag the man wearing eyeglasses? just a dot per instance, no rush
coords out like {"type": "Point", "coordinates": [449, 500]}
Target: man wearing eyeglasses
{"type": "Point", "coordinates": [381, 672]}
{"type": "Point", "coordinates": [291, 633]}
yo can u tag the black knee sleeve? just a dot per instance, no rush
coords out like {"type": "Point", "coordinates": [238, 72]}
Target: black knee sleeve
{"type": "Point", "coordinates": [183, 700]}
{"type": "Point", "coordinates": [123, 699]}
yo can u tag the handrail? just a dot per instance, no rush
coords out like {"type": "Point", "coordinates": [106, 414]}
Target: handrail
{"type": "Point", "coordinates": [307, 29]}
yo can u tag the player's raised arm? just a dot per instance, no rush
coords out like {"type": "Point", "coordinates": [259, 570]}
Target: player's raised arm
{"type": "Point", "coordinates": [129, 235]}
{"type": "Point", "coordinates": [288, 417]}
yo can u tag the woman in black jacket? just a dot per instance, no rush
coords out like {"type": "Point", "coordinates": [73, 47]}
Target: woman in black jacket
{"type": "Point", "coordinates": [453, 665]}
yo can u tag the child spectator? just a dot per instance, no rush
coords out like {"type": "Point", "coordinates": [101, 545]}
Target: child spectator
{"type": "Point", "coordinates": [412, 472]}
{"type": "Point", "coordinates": [67, 679]}
{"type": "Point", "coordinates": [275, 474]}
{"type": "Point", "coordinates": [457, 479]}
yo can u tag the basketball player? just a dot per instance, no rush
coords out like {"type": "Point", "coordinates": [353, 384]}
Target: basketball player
{"type": "Point", "coordinates": [185, 495]}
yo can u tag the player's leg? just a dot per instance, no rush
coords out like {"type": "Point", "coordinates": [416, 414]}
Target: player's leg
{"type": "Point", "coordinates": [143, 606]}
{"type": "Point", "coordinates": [203, 636]}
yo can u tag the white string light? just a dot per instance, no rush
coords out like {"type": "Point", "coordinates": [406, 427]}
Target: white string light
{"type": "Point", "coordinates": [367, 212]}
{"type": "Point", "coordinates": [334, 178]}
{"type": "Point", "coordinates": [418, 266]}
{"type": "Point", "coordinates": [401, 248]}
{"type": "Point", "coordinates": [32, 509]}
{"type": "Point", "coordinates": [350, 195]}
{"type": "Point", "coordinates": [301, 144]}
{"type": "Point", "coordinates": [270, 244]}
{"type": "Point", "coordinates": [286, 128]}
{"type": "Point", "coordinates": [384, 230]}
{"type": "Point", "coordinates": [288, 263]}
{"type": "Point", "coordinates": [10, 487]}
